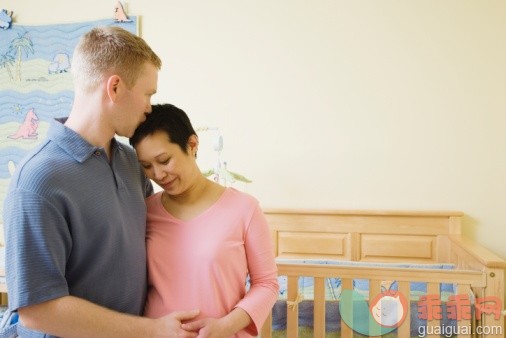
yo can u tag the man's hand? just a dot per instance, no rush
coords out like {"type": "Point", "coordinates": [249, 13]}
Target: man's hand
{"type": "Point", "coordinates": [170, 325]}
{"type": "Point", "coordinates": [209, 328]}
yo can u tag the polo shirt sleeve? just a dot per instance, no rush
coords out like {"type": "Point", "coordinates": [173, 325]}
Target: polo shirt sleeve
{"type": "Point", "coordinates": [37, 245]}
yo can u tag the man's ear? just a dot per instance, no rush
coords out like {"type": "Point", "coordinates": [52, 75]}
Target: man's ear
{"type": "Point", "coordinates": [113, 83]}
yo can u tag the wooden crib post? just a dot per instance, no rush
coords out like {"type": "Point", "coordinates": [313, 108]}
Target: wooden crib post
{"type": "Point", "coordinates": [319, 307]}
{"type": "Point", "coordinates": [292, 318]}
{"type": "Point", "coordinates": [492, 319]}
{"type": "Point", "coordinates": [433, 290]}
{"type": "Point", "coordinates": [404, 329]}
{"type": "Point", "coordinates": [346, 331]}
{"type": "Point", "coordinates": [374, 290]}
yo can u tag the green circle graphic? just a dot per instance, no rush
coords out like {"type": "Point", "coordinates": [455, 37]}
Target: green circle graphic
{"type": "Point", "coordinates": [354, 309]}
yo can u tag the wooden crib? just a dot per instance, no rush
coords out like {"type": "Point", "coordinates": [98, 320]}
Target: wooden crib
{"type": "Point", "coordinates": [387, 237]}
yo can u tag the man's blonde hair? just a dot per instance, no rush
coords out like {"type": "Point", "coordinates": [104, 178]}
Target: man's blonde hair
{"type": "Point", "coordinates": [104, 51]}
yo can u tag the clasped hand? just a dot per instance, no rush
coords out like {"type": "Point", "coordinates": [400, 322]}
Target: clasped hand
{"type": "Point", "coordinates": [173, 326]}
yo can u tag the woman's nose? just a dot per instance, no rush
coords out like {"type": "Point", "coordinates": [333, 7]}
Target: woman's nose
{"type": "Point", "coordinates": [159, 173]}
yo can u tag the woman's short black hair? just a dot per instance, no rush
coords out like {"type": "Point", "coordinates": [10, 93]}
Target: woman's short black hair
{"type": "Point", "coordinates": [170, 119]}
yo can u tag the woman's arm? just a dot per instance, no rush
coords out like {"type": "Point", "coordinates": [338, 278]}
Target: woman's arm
{"type": "Point", "coordinates": [264, 289]}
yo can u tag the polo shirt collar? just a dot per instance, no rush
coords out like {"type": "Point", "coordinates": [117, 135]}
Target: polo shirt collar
{"type": "Point", "coordinates": [73, 143]}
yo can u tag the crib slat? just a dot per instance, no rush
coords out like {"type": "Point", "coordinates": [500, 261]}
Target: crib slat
{"type": "Point", "coordinates": [404, 329]}
{"type": "Point", "coordinates": [478, 320]}
{"type": "Point", "coordinates": [374, 290]}
{"type": "Point", "coordinates": [292, 318]}
{"type": "Point", "coordinates": [346, 331]}
{"type": "Point", "coordinates": [463, 290]}
{"type": "Point", "coordinates": [433, 289]}
{"type": "Point", "coordinates": [319, 307]}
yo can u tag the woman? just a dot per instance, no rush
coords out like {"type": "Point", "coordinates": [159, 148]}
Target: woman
{"type": "Point", "coordinates": [202, 239]}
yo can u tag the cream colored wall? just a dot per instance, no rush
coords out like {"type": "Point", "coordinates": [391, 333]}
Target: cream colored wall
{"type": "Point", "coordinates": [338, 104]}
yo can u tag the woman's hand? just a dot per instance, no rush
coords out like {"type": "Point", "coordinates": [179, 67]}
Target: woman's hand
{"type": "Point", "coordinates": [209, 328]}
{"type": "Point", "coordinates": [170, 325]}
{"type": "Point", "coordinates": [223, 327]}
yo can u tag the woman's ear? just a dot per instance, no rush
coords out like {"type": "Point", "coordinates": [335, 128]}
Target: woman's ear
{"type": "Point", "coordinates": [193, 145]}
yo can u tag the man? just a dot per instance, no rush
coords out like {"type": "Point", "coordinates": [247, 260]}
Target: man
{"type": "Point", "coordinates": [74, 215]}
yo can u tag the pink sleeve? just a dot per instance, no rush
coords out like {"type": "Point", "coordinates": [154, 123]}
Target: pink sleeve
{"type": "Point", "coordinates": [263, 292]}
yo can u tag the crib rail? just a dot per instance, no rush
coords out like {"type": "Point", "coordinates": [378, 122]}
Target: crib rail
{"type": "Point", "coordinates": [466, 280]}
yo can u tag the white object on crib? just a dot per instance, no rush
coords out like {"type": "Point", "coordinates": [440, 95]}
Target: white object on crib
{"type": "Point", "coordinates": [218, 143]}
{"type": "Point", "coordinates": [220, 172]}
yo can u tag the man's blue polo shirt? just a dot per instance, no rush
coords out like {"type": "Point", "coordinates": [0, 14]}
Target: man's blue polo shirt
{"type": "Point", "coordinates": [75, 224]}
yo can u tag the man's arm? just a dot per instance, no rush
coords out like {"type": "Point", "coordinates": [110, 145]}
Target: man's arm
{"type": "Point", "coordinates": [75, 317]}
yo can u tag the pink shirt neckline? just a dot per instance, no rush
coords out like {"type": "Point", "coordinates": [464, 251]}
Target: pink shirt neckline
{"type": "Point", "coordinates": [204, 213]}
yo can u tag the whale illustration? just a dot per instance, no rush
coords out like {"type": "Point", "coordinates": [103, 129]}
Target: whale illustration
{"type": "Point", "coordinates": [28, 129]}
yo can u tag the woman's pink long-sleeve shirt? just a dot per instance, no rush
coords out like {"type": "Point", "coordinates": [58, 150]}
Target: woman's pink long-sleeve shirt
{"type": "Point", "coordinates": [203, 263]}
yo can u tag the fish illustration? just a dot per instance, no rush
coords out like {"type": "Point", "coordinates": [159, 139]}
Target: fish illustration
{"type": "Point", "coordinates": [28, 129]}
